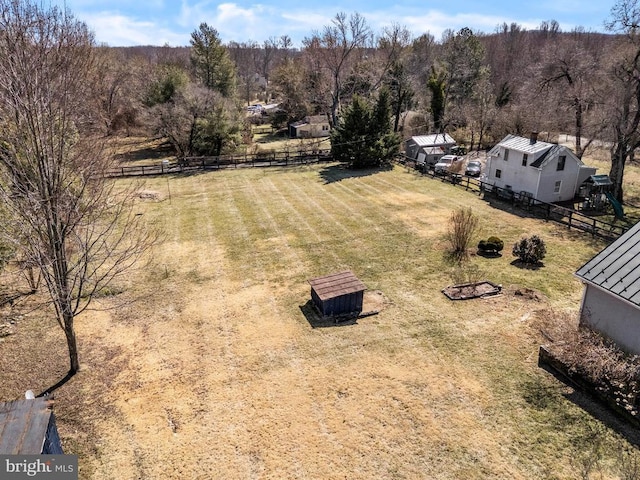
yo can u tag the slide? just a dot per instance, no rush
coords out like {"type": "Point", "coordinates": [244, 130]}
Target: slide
{"type": "Point", "coordinates": [617, 208]}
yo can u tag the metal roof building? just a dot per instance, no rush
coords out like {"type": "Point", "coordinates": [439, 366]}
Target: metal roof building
{"type": "Point", "coordinates": [28, 427]}
{"type": "Point", "coordinates": [428, 144]}
{"type": "Point", "coordinates": [338, 294]}
{"type": "Point", "coordinates": [611, 298]}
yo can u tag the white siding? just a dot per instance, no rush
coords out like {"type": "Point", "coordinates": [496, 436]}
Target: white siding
{"type": "Point", "coordinates": [612, 317]}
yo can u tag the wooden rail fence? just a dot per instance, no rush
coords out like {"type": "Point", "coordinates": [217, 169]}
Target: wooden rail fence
{"type": "Point", "coordinates": [548, 211]}
{"type": "Point", "coordinates": [265, 159]}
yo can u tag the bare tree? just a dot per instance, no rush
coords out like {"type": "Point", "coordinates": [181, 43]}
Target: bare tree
{"type": "Point", "coordinates": [624, 110]}
{"type": "Point", "coordinates": [64, 215]}
{"type": "Point", "coordinates": [334, 47]}
{"type": "Point", "coordinates": [570, 75]}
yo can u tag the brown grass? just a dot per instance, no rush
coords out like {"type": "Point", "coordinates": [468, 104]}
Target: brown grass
{"type": "Point", "coordinates": [215, 372]}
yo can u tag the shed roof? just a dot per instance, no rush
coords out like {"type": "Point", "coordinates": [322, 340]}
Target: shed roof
{"type": "Point", "coordinates": [433, 140]}
{"type": "Point", "coordinates": [600, 180]}
{"type": "Point", "coordinates": [617, 267]}
{"type": "Point", "coordinates": [336, 285]}
{"type": "Point", "coordinates": [23, 426]}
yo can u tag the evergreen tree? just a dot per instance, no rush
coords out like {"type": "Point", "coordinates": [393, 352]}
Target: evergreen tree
{"type": "Point", "coordinates": [364, 137]}
{"type": "Point", "coordinates": [211, 61]}
{"type": "Point", "coordinates": [436, 85]}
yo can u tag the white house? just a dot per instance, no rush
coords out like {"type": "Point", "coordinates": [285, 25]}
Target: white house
{"type": "Point", "coordinates": [313, 126]}
{"type": "Point", "coordinates": [546, 171]}
{"type": "Point", "coordinates": [611, 298]}
{"type": "Point", "coordinates": [428, 148]}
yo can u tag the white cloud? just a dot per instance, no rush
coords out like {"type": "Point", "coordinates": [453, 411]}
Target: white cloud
{"type": "Point", "coordinates": [118, 30]}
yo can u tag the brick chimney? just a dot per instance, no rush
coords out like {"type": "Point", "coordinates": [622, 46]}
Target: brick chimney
{"type": "Point", "coordinates": [534, 137]}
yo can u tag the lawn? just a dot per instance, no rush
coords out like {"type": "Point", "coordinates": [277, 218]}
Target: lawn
{"type": "Point", "coordinates": [207, 366]}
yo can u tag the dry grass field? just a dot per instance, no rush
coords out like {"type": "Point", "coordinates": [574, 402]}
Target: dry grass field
{"type": "Point", "coordinates": [208, 366]}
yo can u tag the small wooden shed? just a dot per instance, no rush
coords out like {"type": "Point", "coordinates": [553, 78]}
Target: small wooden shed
{"type": "Point", "coordinates": [28, 427]}
{"type": "Point", "coordinates": [338, 294]}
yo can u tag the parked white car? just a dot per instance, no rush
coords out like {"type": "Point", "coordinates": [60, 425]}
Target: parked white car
{"type": "Point", "coordinates": [445, 164]}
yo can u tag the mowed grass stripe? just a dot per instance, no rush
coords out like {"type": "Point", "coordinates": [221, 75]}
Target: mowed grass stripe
{"type": "Point", "coordinates": [428, 388]}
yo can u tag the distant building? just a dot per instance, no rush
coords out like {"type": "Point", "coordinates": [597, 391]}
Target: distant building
{"type": "Point", "coordinates": [314, 126]}
{"type": "Point", "coordinates": [28, 427]}
{"type": "Point", "coordinates": [428, 148]}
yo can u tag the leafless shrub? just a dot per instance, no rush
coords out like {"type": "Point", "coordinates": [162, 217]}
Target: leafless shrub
{"type": "Point", "coordinates": [591, 355]}
{"type": "Point", "coordinates": [467, 274]}
{"type": "Point", "coordinates": [462, 225]}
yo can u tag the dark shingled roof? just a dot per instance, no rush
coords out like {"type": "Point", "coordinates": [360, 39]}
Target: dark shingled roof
{"type": "Point", "coordinates": [23, 426]}
{"type": "Point", "coordinates": [336, 285]}
{"type": "Point", "coordinates": [617, 267]}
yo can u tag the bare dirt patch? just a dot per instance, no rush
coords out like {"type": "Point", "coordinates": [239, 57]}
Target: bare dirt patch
{"type": "Point", "coordinates": [471, 290]}
{"type": "Point", "coordinates": [150, 195]}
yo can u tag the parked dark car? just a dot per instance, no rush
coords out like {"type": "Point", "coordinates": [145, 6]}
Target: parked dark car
{"type": "Point", "coordinates": [473, 168]}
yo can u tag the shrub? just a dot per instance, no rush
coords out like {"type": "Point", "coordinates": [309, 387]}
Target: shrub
{"type": "Point", "coordinates": [462, 225]}
{"type": "Point", "coordinates": [530, 250]}
{"type": "Point", "coordinates": [492, 245]}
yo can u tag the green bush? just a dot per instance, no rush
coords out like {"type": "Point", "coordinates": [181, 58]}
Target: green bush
{"type": "Point", "coordinates": [492, 245]}
{"type": "Point", "coordinates": [530, 250]}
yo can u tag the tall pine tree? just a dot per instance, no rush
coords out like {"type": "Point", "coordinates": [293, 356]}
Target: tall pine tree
{"type": "Point", "coordinates": [364, 136]}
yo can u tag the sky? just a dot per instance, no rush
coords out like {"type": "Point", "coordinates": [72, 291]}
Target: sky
{"type": "Point", "coordinates": [171, 22]}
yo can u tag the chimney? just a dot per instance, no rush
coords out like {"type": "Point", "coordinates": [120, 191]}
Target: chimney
{"type": "Point", "coordinates": [534, 137]}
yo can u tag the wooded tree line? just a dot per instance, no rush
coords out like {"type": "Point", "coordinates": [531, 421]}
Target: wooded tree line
{"type": "Point", "coordinates": [62, 96]}
{"type": "Point", "coordinates": [476, 86]}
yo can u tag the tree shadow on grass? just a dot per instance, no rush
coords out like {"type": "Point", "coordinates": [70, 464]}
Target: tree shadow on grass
{"type": "Point", "coordinates": [162, 150]}
{"type": "Point", "coordinates": [48, 391]}
{"type": "Point", "coordinates": [338, 172]}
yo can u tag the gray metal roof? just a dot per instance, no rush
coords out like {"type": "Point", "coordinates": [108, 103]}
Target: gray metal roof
{"type": "Point", "coordinates": [23, 426]}
{"type": "Point", "coordinates": [524, 145]}
{"type": "Point", "coordinates": [617, 267]}
{"type": "Point", "coordinates": [433, 140]}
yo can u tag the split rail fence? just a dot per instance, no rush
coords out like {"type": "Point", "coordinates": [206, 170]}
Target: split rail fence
{"type": "Point", "coordinates": [191, 164]}
{"type": "Point", "coordinates": [549, 211]}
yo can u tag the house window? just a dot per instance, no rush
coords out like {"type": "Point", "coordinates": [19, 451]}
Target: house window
{"type": "Point", "coordinates": [525, 157]}
{"type": "Point", "coordinates": [498, 173]}
{"type": "Point", "coordinates": [325, 127]}
{"type": "Point", "coordinates": [506, 154]}
{"type": "Point", "coordinates": [561, 161]}
{"type": "Point", "coordinates": [556, 188]}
